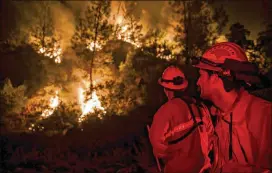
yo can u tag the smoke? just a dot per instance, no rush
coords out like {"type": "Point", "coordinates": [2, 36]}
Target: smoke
{"type": "Point", "coordinates": [145, 21]}
{"type": "Point", "coordinates": [151, 15]}
{"type": "Point", "coordinates": [168, 21]}
{"type": "Point", "coordinates": [117, 10]}
{"type": "Point", "coordinates": [31, 14]}
{"type": "Point", "coordinates": [64, 23]}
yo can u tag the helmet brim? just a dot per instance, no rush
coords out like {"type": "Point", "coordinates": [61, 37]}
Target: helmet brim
{"type": "Point", "coordinates": [171, 86]}
{"type": "Point", "coordinates": [204, 66]}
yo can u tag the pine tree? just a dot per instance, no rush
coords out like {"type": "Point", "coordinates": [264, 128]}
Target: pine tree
{"type": "Point", "coordinates": [128, 27]}
{"type": "Point", "coordinates": [155, 44]}
{"type": "Point", "coordinates": [264, 43]}
{"type": "Point", "coordinates": [265, 40]}
{"type": "Point", "coordinates": [92, 32]}
{"type": "Point", "coordinates": [239, 34]}
{"type": "Point", "coordinates": [42, 34]}
{"type": "Point", "coordinates": [257, 51]}
{"type": "Point", "coordinates": [198, 26]}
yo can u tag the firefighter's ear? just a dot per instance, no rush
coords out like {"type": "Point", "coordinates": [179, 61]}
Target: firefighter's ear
{"type": "Point", "coordinates": [225, 73]}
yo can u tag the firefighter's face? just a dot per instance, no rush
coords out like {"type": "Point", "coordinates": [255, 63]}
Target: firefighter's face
{"type": "Point", "coordinates": [207, 84]}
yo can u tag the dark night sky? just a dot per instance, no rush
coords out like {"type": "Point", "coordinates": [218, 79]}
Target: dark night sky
{"type": "Point", "coordinates": [250, 13]}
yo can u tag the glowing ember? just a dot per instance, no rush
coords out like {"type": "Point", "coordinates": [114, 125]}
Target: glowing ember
{"type": "Point", "coordinates": [53, 104]}
{"type": "Point", "coordinates": [166, 57]}
{"type": "Point", "coordinates": [33, 127]}
{"type": "Point", "coordinates": [42, 50]}
{"type": "Point", "coordinates": [97, 46]}
{"type": "Point", "coordinates": [90, 105]}
{"type": "Point", "coordinates": [161, 55]}
{"type": "Point", "coordinates": [54, 52]}
{"type": "Point", "coordinates": [57, 60]}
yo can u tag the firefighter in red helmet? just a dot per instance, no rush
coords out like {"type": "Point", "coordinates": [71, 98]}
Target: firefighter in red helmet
{"type": "Point", "coordinates": [181, 130]}
{"type": "Point", "coordinates": [244, 121]}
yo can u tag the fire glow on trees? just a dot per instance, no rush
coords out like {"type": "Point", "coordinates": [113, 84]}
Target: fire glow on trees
{"type": "Point", "coordinates": [97, 46]}
{"type": "Point", "coordinates": [54, 52]}
{"type": "Point", "coordinates": [125, 32]}
{"type": "Point", "coordinates": [87, 106]}
{"type": "Point", "coordinates": [128, 30]}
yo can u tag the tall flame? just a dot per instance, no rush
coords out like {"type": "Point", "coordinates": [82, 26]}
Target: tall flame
{"type": "Point", "coordinates": [90, 105]}
{"type": "Point", "coordinates": [53, 104]}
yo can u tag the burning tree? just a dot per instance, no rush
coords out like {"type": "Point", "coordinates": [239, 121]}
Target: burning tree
{"type": "Point", "coordinates": [43, 36]}
{"type": "Point", "coordinates": [127, 27]}
{"type": "Point", "coordinates": [92, 32]}
{"type": "Point", "coordinates": [156, 45]}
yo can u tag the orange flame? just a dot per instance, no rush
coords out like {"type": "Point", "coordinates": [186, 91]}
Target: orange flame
{"type": "Point", "coordinates": [124, 33]}
{"type": "Point", "coordinates": [53, 104]}
{"type": "Point", "coordinates": [54, 52]}
{"type": "Point", "coordinates": [90, 105]}
{"type": "Point", "coordinates": [97, 46]}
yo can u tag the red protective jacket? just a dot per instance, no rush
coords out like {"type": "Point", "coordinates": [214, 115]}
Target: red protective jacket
{"type": "Point", "coordinates": [251, 136]}
{"type": "Point", "coordinates": [169, 123]}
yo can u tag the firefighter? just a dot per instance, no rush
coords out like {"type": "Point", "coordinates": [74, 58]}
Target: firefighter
{"type": "Point", "coordinates": [244, 121]}
{"type": "Point", "coordinates": [178, 134]}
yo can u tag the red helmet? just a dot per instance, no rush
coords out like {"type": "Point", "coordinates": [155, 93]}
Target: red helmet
{"type": "Point", "coordinates": [218, 53]}
{"type": "Point", "coordinates": [173, 78]}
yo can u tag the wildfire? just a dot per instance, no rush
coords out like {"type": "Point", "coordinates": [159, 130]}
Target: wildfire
{"type": "Point", "coordinates": [53, 104]}
{"type": "Point", "coordinates": [54, 52]}
{"type": "Point", "coordinates": [90, 105]}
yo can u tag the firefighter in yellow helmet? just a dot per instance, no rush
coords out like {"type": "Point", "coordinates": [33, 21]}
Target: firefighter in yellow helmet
{"type": "Point", "coordinates": [180, 130]}
{"type": "Point", "coordinates": [244, 121]}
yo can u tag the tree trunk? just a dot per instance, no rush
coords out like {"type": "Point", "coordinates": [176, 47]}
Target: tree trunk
{"type": "Point", "coordinates": [97, 22]}
{"type": "Point", "coordinates": [187, 22]}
